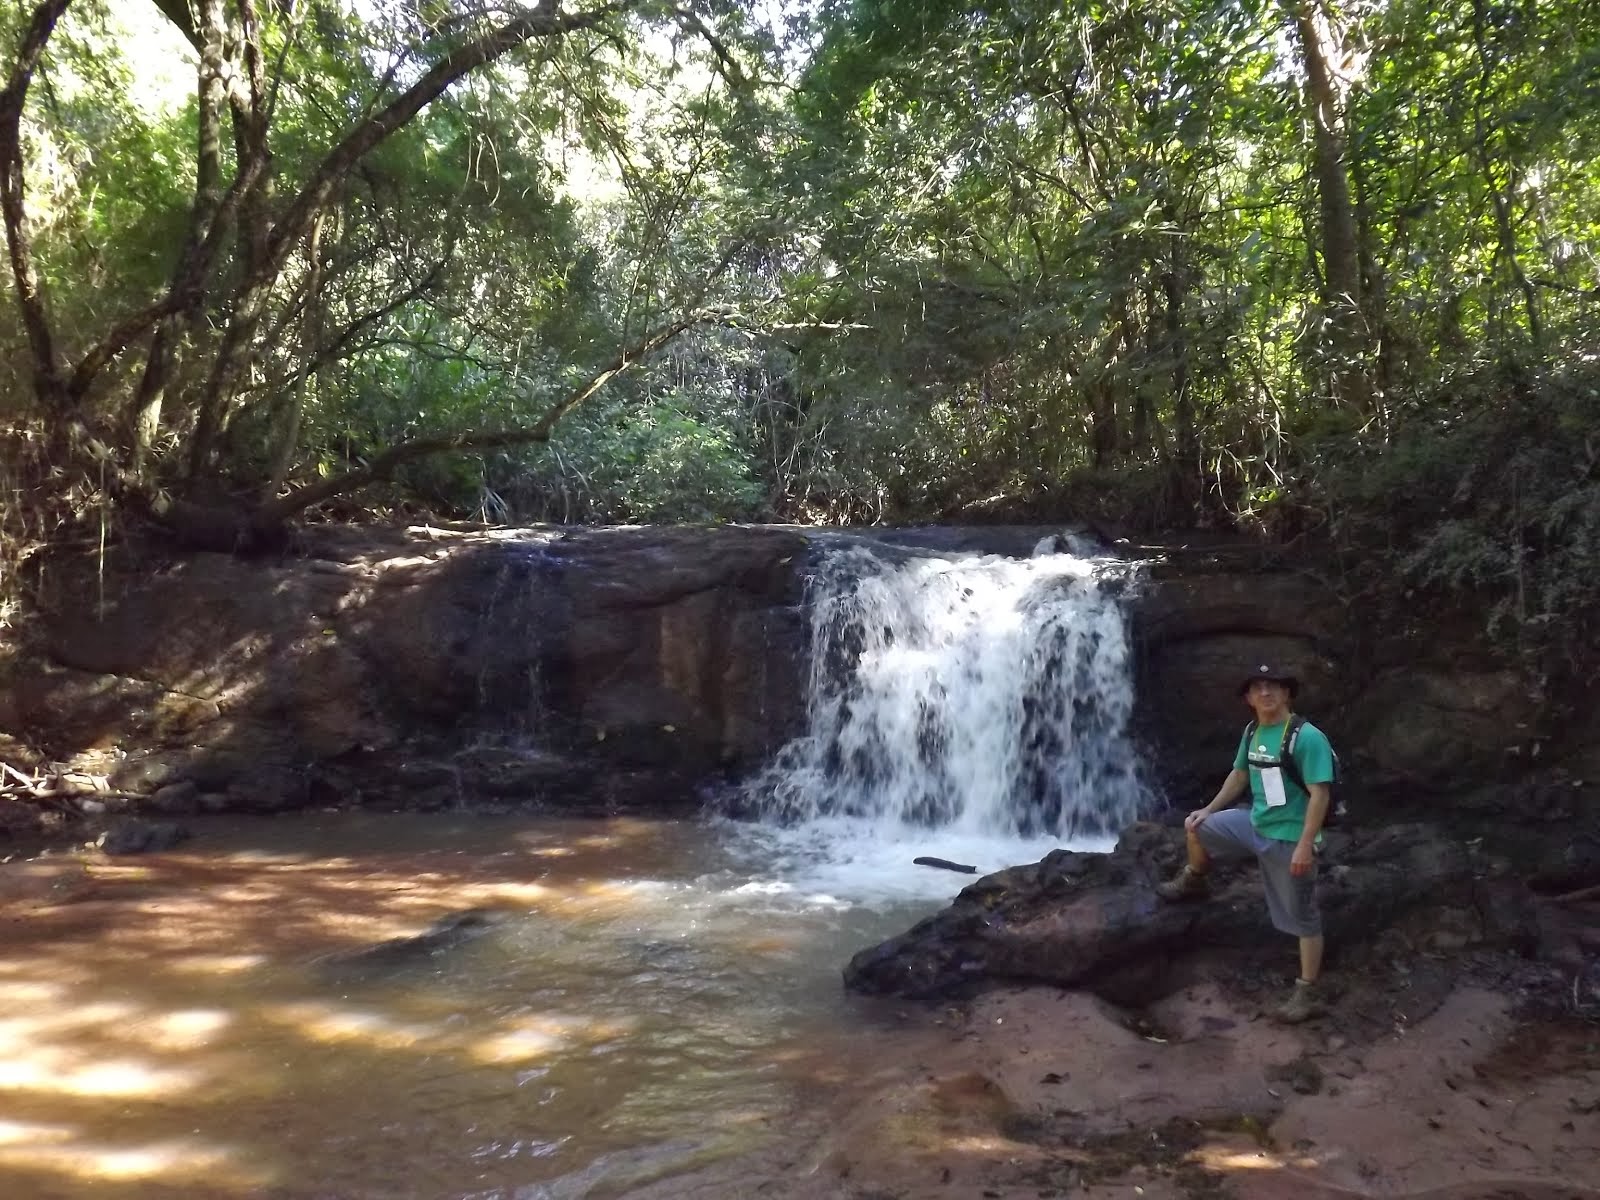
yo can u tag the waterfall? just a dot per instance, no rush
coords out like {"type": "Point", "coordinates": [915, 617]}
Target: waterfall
{"type": "Point", "coordinates": [980, 696]}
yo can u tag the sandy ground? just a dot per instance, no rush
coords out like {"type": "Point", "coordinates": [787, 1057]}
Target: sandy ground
{"type": "Point", "coordinates": [1420, 1084]}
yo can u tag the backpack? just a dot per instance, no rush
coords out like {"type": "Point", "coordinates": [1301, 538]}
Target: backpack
{"type": "Point", "coordinates": [1338, 813]}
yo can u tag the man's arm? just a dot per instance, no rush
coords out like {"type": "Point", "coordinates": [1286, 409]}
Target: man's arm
{"type": "Point", "coordinates": [1232, 788]}
{"type": "Point", "coordinates": [1316, 812]}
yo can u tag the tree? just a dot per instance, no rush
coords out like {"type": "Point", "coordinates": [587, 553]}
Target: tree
{"type": "Point", "coordinates": [1334, 65]}
{"type": "Point", "coordinates": [255, 264]}
{"type": "Point", "coordinates": [1167, 261]}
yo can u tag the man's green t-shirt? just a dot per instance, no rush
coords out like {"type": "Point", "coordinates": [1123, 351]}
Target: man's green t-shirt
{"type": "Point", "coordinates": [1278, 808]}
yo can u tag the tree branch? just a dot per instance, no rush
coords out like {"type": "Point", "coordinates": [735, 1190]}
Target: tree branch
{"type": "Point", "coordinates": [731, 71]}
{"type": "Point", "coordinates": [343, 343]}
{"type": "Point", "coordinates": [544, 21]}
{"type": "Point", "coordinates": [182, 18]}
{"type": "Point", "coordinates": [1555, 285]}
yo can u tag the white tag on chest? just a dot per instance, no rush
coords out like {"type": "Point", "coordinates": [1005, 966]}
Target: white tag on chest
{"type": "Point", "coordinates": [1272, 786]}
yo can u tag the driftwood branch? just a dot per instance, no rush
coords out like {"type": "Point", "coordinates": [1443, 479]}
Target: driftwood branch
{"type": "Point", "coordinates": [1581, 896]}
{"type": "Point", "coordinates": [928, 860]}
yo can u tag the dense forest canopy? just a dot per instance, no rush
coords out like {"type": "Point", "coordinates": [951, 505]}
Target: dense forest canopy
{"type": "Point", "coordinates": [1298, 266]}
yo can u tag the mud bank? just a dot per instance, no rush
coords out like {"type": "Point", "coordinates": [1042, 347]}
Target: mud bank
{"type": "Point", "coordinates": [1431, 1079]}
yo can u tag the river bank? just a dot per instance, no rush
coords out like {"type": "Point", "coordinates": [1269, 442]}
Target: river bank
{"type": "Point", "coordinates": [1439, 1078]}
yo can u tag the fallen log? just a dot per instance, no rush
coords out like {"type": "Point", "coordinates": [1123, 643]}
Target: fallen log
{"type": "Point", "coordinates": [945, 863]}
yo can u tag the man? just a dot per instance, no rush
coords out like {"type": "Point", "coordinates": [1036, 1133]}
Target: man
{"type": "Point", "coordinates": [1282, 827]}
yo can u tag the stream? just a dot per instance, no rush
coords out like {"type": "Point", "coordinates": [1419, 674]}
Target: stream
{"type": "Point", "coordinates": [633, 998]}
{"type": "Point", "coordinates": [653, 995]}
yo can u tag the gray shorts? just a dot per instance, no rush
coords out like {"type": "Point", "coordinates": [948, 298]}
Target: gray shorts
{"type": "Point", "coordinates": [1291, 901]}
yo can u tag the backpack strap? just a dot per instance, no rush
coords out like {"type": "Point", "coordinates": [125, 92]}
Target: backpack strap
{"type": "Point", "coordinates": [1286, 762]}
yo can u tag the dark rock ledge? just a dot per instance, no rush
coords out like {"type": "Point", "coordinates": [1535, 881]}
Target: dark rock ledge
{"type": "Point", "coordinates": [1094, 922]}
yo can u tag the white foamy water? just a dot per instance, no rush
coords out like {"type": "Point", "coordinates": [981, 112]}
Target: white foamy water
{"type": "Point", "coordinates": [975, 709]}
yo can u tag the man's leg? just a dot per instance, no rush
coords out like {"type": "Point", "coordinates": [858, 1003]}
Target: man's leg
{"type": "Point", "coordinates": [1199, 860]}
{"type": "Point", "coordinates": [1227, 834]}
{"type": "Point", "coordinates": [1292, 906]}
{"type": "Point", "coordinates": [1311, 958]}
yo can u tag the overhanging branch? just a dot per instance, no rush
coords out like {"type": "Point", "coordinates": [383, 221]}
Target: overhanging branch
{"type": "Point", "coordinates": [544, 21]}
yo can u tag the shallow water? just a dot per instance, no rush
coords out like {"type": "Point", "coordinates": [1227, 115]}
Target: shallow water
{"type": "Point", "coordinates": [657, 995]}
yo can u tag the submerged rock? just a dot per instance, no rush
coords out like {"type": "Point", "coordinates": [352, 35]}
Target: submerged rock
{"type": "Point", "coordinates": [1094, 921]}
{"type": "Point", "coordinates": [396, 954]}
{"type": "Point", "coordinates": [141, 837]}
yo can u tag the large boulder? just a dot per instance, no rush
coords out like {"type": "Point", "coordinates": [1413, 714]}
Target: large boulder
{"type": "Point", "coordinates": [1411, 714]}
{"type": "Point", "coordinates": [1094, 921]}
{"type": "Point", "coordinates": [1197, 629]}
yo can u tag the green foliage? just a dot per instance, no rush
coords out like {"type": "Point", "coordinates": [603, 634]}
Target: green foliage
{"type": "Point", "coordinates": [1045, 260]}
{"type": "Point", "coordinates": [1489, 503]}
{"type": "Point", "coordinates": [655, 463]}
{"type": "Point", "coordinates": [1089, 226]}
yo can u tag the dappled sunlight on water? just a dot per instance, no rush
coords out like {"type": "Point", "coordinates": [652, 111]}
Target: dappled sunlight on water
{"type": "Point", "coordinates": [218, 1022]}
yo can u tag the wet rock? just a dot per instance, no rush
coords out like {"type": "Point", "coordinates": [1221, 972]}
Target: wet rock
{"type": "Point", "coordinates": [179, 799]}
{"type": "Point", "coordinates": [397, 954]}
{"type": "Point", "coordinates": [656, 659]}
{"type": "Point", "coordinates": [148, 772]}
{"type": "Point", "coordinates": [1195, 624]}
{"type": "Point", "coordinates": [1436, 726]}
{"type": "Point", "coordinates": [1566, 862]}
{"type": "Point", "coordinates": [1095, 922]}
{"type": "Point", "coordinates": [18, 818]}
{"type": "Point", "coordinates": [58, 703]}
{"type": "Point", "coordinates": [670, 652]}
{"type": "Point", "coordinates": [269, 790]}
{"type": "Point", "coordinates": [141, 837]}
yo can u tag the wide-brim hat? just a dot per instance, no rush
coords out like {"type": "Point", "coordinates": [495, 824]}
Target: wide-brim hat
{"type": "Point", "coordinates": [1273, 673]}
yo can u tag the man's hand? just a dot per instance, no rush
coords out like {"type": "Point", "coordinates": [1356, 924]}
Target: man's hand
{"type": "Point", "coordinates": [1195, 819]}
{"type": "Point", "coordinates": [1303, 860]}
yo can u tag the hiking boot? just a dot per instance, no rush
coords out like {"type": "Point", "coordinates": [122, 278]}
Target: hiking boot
{"type": "Point", "coordinates": [1187, 884]}
{"type": "Point", "coordinates": [1303, 1003]}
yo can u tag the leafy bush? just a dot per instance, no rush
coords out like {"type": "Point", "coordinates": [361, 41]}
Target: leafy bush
{"type": "Point", "coordinates": [1488, 498]}
{"type": "Point", "coordinates": [664, 462]}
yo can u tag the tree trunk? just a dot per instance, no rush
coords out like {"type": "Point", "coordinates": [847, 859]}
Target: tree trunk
{"type": "Point", "coordinates": [1381, 335]}
{"type": "Point", "coordinates": [1327, 87]}
{"type": "Point", "coordinates": [310, 353]}
{"type": "Point", "coordinates": [49, 383]}
{"type": "Point", "coordinates": [144, 413]}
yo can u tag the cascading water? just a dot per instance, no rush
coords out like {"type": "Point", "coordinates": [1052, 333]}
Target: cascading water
{"type": "Point", "coordinates": [977, 707]}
